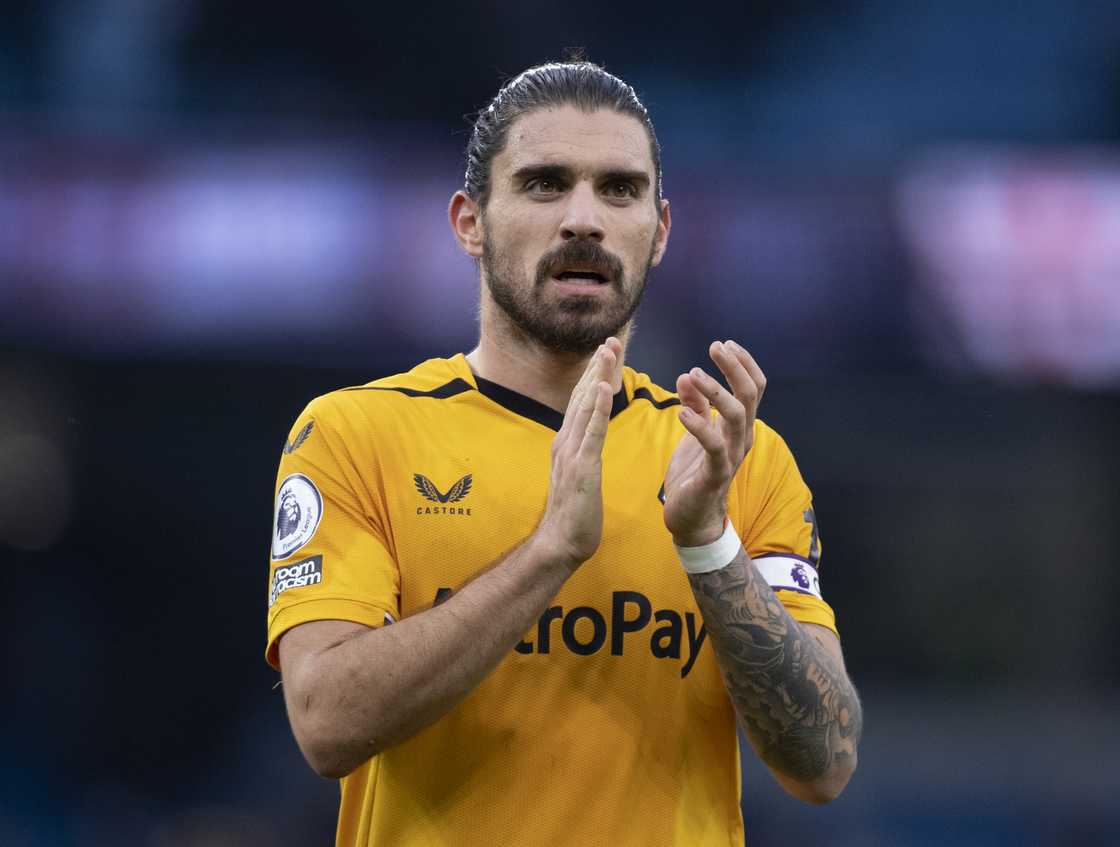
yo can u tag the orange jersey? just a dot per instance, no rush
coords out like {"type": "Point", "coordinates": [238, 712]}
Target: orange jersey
{"type": "Point", "coordinates": [608, 723]}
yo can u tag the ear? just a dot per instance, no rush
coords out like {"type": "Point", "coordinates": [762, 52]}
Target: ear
{"type": "Point", "coordinates": [661, 237]}
{"type": "Point", "coordinates": [465, 217]}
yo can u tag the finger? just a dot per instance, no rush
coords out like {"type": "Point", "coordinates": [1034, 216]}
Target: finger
{"type": "Point", "coordinates": [596, 433]}
{"type": "Point", "coordinates": [615, 346]}
{"type": "Point", "coordinates": [748, 362]}
{"type": "Point", "coordinates": [728, 406]}
{"type": "Point", "coordinates": [581, 415]}
{"type": "Point", "coordinates": [692, 397]}
{"type": "Point", "coordinates": [734, 419]}
{"type": "Point", "coordinates": [594, 366]}
{"type": "Point", "coordinates": [705, 431]}
{"type": "Point", "coordinates": [605, 364]}
{"type": "Point", "coordinates": [611, 363]}
{"type": "Point", "coordinates": [585, 379]}
{"type": "Point", "coordinates": [735, 372]}
{"type": "Point", "coordinates": [600, 368]}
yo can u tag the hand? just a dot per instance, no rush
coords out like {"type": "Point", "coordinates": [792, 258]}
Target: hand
{"type": "Point", "coordinates": [572, 526]}
{"type": "Point", "coordinates": [709, 455]}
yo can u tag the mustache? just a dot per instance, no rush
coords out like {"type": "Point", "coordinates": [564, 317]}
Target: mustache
{"type": "Point", "coordinates": [584, 254]}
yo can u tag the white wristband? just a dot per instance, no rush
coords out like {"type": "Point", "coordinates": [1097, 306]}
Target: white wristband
{"type": "Point", "coordinates": [711, 557]}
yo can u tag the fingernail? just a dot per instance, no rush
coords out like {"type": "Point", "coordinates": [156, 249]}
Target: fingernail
{"type": "Point", "coordinates": [696, 372]}
{"type": "Point", "coordinates": [734, 346]}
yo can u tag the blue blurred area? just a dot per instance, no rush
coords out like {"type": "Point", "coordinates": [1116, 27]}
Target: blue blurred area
{"type": "Point", "coordinates": [211, 214]}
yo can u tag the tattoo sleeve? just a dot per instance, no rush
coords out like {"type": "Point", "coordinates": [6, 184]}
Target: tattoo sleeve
{"type": "Point", "coordinates": [793, 698]}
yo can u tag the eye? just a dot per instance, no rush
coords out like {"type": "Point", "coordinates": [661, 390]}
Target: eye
{"type": "Point", "coordinates": [543, 185]}
{"type": "Point", "coordinates": [622, 190]}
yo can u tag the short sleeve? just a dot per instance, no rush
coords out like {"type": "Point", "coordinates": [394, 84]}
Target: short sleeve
{"type": "Point", "coordinates": [778, 526]}
{"type": "Point", "coordinates": [330, 558]}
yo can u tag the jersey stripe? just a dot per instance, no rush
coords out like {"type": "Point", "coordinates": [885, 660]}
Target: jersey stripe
{"type": "Point", "coordinates": [644, 394]}
{"type": "Point", "coordinates": [448, 389]}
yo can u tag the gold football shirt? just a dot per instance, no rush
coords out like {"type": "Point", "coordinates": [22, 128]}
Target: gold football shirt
{"type": "Point", "coordinates": [608, 723]}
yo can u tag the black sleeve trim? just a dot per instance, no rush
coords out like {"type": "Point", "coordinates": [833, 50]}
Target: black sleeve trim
{"type": "Point", "coordinates": [449, 389]}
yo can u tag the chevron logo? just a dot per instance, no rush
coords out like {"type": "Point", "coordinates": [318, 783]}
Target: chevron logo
{"type": "Point", "coordinates": [429, 491]}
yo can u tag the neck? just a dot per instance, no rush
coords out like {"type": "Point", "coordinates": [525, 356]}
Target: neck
{"type": "Point", "coordinates": [507, 356]}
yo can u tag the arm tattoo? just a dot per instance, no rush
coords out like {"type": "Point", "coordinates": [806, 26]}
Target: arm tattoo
{"type": "Point", "coordinates": [792, 697]}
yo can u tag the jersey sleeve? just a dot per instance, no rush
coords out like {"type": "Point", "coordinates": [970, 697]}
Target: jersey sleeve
{"type": "Point", "coordinates": [330, 557]}
{"type": "Point", "coordinates": [782, 539]}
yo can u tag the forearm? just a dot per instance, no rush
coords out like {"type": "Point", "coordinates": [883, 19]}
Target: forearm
{"type": "Point", "coordinates": [382, 686]}
{"type": "Point", "coordinates": [791, 694]}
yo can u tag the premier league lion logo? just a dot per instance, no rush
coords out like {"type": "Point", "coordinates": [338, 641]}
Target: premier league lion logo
{"type": "Point", "coordinates": [797, 573]}
{"type": "Point", "coordinates": [288, 520]}
{"type": "Point", "coordinates": [299, 508]}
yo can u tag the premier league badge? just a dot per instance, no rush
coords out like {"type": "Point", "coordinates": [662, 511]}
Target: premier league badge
{"type": "Point", "coordinates": [299, 508]}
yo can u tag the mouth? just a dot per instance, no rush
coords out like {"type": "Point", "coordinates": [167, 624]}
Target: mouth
{"type": "Point", "coordinates": [574, 276]}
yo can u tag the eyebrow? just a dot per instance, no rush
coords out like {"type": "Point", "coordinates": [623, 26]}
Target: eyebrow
{"type": "Point", "coordinates": [527, 172]}
{"type": "Point", "coordinates": [637, 177]}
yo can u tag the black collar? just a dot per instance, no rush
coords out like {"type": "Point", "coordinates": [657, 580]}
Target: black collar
{"type": "Point", "coordinates": [529, 408]}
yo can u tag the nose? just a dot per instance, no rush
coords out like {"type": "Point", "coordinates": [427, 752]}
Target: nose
{"type": "Point", "coordinates": [582, 218]}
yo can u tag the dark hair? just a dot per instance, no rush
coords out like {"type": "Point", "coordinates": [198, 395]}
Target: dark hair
{"type": "Point", "coordinates": [578, 83]}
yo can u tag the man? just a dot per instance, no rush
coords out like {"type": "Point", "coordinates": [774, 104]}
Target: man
{"type": "Point", "coordinates": [520, 515]}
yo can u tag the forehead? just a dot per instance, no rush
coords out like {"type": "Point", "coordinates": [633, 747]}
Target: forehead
{"type": "Point", "coordinates": [566, 135]}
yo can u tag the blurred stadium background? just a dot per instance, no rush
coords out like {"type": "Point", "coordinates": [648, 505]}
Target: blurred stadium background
{"type": "Point", "coordinates": [212, 212]}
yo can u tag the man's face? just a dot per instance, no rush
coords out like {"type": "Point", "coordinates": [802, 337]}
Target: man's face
{"type": "Point", "coordinates": [572, 226]}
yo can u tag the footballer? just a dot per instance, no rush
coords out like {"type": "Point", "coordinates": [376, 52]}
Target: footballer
{"type": "Point", "coordinates": [525, 595]}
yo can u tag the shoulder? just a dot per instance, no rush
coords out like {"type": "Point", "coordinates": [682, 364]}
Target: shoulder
{"type": "Point", "coordinates": [651, 397]}
{"type": "Point", "coordinates": [770, 470]}
{"type": "Point", "coordinates": [433, 379]}
{"type": "Point", "coordinates": [768, 439]}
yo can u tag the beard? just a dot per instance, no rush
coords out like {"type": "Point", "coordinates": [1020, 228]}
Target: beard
{"type": "Point", "coordinates": [572, 324]}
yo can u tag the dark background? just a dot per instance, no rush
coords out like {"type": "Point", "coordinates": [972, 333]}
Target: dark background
{"type": "Point", "coordinates": [211, 213]}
